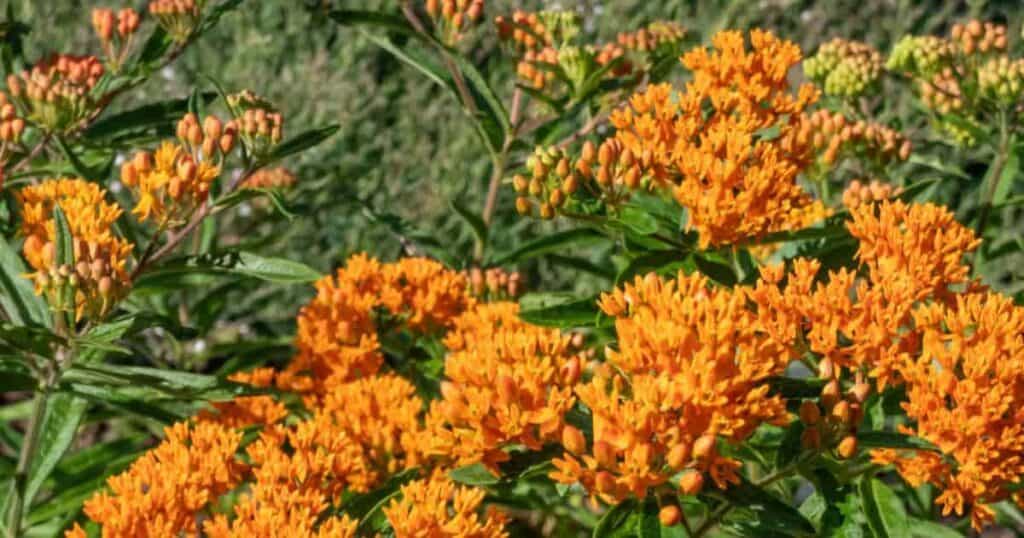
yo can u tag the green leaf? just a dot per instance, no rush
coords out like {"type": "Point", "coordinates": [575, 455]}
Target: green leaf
{"type": "Point", "coordinates": [882, 439]}
{"type": "Point", "coordinates": [92, 173]}
{"type": "Point", "coordinates": [431, 71]}
{"type": "Point", "coordinates": [581, 313]}
{"type": "Point", "coordinates": [65, 249]}
{"type": "Point", "coordinates": [301, 142]}
{"type": "Point", "coordinates": [157, 44]}
{"type": "Point", "coordinates": [884, 511]}
{"type": "Point", "coordinates": [910, 192]}
{"type": "Point", "coordinates": [638, 220]}
{"type": "Point", "coordinates": [649, 525]}
{"type": "Point", "coordinates": [214, 14]}
{"type": "Point", "coordinates": [475, 222]}
{"type": "Point", "coordinates": [715, 269]}
{"type": "Point", "coordinates": [556, 242]}
{"type": "Point", "coordinates": [14, 377]}
{"type": "Point", "coordinates": [938, 164]}
{"type": "Point", "coordinates": [795, 389]}
{"type": "Point", "coordinates": [242, 195]}
{"type": "Point", "coordinates": [234, 263]}
{"type": "Point", "coordinates": [660, 262]}
{"type": "Point", "coordinates": [142, 118]}
{"type": "Point", "coordinates": [493, 103]}
{"type": "Point", "coordinates": [17, 294]}
{"type": "Point", "coordinates": [474, 475]}
{"type": "Point", "coordinates": [355, 17]}
{"type": "Point", "coordinates": [60, 422]}
{"type": "Point", "coordinates": [176, 384]}
{"type": "Point", "coordinates": [766, 507]}
{"type": "Point", "coordinates": [920, 528]}
{"type": "Point", "coordinates": [618, 521]}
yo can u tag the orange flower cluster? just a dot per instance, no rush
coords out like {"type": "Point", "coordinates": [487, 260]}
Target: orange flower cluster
{"type": "Point", "coordinates": [115, 32]}
{"type": "Point", "coordinates": [245, 411]}
{"type": "Point", "coordinates": [161, 493]}
{"type": "Point", "coordinates": [978, 37]}
{"type": "Point", "coordinates": [90, 288]}
{"type": "Point", "coordinates": [171, 183]}
{"type": "Point", "coordinates": [454, 17]}
{"type": "Point", "coordinates": [506, 383]}
{"type": "Point", "coordinates": [257, 120]}
{"type": "Point", "coordinates": [271, 178]}
{"type": "Point", "coordinates": [731, 142]}
{"type": "Point", "coordinates": [688, 370]}
{"type": "Point", "coordinates": [966, 395]}
{"type": "Point", "coordinates": [836, 137]}
{"type": "Point", "coordinates": [179, 18]}
{"type": "Point", "coordinates": [57, 92]}
{"type": "Point", "coordinates": [858, 193]}
{"type": "Point", "coordinates": [438, 508]}
{"type": "Point", "coordinates": [337, 332]}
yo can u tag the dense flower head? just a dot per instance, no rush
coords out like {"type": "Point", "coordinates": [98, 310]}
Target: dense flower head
{"type": "Point", "coordinates": [245, 411]}
{"type": "Point", "coordinates": [115, 32]}
{"type": "Point", "coordinates": [688, 369]}
{"type": "Point", "coordinates": [161, 493]}
{"type": "Point", "coordinates": [1002, 79]}
{"type": "Point", "coordinates": [836, 137]}
{"type": "Point", "coordinates": [736, 182]}
{"type": "Point", "coordinates": [505, 383]}
{"type": "Point", "coordinates": [921, 55]}
{"type": "Point", "coordinates": [524, 30]}
{"type": "Point", "coordinates": [99, 275]}
{"type": "Point", "coordinates": [965, 394]}
{"type": "Point", "coordinates": [271, 178]}
{"type": "Point", "coordinates": [439, 508]}
{"type": "Point", "coordinates": [257, 120]}
{"type": "Point", "coordinates": [977, 37]}
{"type": "Point", "coordinates": [57, 92]}
{"type": "Point", "coordinates": [845, 68]}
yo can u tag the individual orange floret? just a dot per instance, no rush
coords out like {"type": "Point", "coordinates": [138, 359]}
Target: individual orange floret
{"type": "Point", "coordinates": [165, 491]}
{"type": "Point", "coordinates": [174, 181]}
{"type": "Point", "coordinates": [509, 384]}
{"type": "Point", "coordinates": [689, 370]}
{"type": "Point", "coordinates": [731, 143]}
{"type": "Point", "coordinates": [99, 276]}
{"type": "Point", "coordinates": [918, 247]}
{"type": "Point", "coordinates": [965, 393]}
{"type": "Point", "coordinates": [57, 91]}
{"type": "Point", "coordinates": [437, 507]}
{"type": "Point", "coordinates": [381, 416]}
{"type": "Point", "coordinates": [858, 193]}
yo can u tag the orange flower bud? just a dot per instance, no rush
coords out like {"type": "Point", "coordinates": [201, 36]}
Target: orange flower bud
{"type": "Point", "coordinates": [670, 515]}
{"type": "Point", "coordinates": [604, 454]}
{"type": "Point", "coordinates": [847, 447]}
{"type": "Point", "coordinates": [506, 390]}
{"type": "Point", "coordinates": [704, 447]}
{"type": "Point", "coordinates": [841, 412]}
{"type": "Point", "coordinates": [227, 142]}
{"type": "Point", "coordinates": [691, 482]}
{"type": "Point", "coordinates": [520, 183]}
{"type": "Point", "coordinates": [563, 168]}
{"type": "Point", "coordinates": [573, 440]}
{"type": "Point", "coordinates": [213, 127]}
{"type": "Point", "coordinates": [546, 211]}
{"type": "Point", "coordinates": [557, 198]}
{"type": "Point", "coordinates": [830, 394]}
{"type": "Point", "coordinates": [589, 152]}
{"type": "Point", "coordinates": [523, 206]}
{"type": "Point", "coordinates": [129, 176]}
{"type": "Point", "coordinates": [811, 439]}
{"type": "Point", "coordinates": [678, 456]}
{"type": "Point", "coordinates": [570, 185]}
{"type": "Point", "coordinates": [604, 482]}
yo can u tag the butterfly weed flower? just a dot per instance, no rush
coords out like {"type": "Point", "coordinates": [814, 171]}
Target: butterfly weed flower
{"type": "Point", "coordinates": [115, 32]}
{"type": "Point", "coordinates": [246, 411]}
{"type": "Point", "coordinates": [164, 491]}
{"type": "Point", "coordinates": [171, 183]}
{"type": "Point", "coordinates": [835, 137]}
{"type": "Point", "coordinates": [99, 277]}
{"type": "Point", "coordinates": [437, 507]}
{"type": "Point", "coordinates": [453, 18]}
{"type": "Point", "coordinates": [258, 122]}
{"type": "Point", "coordinates": [57, 93]}
{"type": "Point", "coordinates": [179, 18]}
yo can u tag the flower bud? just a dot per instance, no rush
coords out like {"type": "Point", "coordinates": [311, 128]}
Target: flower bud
{"type": "Point", "coordinates": [523, 206]}
{"type": "Point", "coordinates": [670, 515]}
{"type": "Point", "coordinates": [809, 413]}
{"type": "Point", "coordinates": [847, 447]}
{"type": "Point", "coordinates": [678, 456]}
{"type": "Point", "coordinates": [691, 483]}
{"type": "Point", "coordinates": [704, 448]}
{"type": "Point", "coordinates": [573, 440]}
{"type": "Point", "coordinates": [520, 183]}
{"type": "Point", "coordinates": [810, 439]}
{"type": "Point", "coordinates": [604, 454]}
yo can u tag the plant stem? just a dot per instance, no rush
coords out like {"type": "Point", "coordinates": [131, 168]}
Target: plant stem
{"type": "Point", "coordinates": [995, 180]}
{"type": "Point", "coordinates": [28, 452]}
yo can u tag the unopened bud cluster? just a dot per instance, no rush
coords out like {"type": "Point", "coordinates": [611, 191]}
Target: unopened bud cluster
{"type": "Point", "coordinates": [523, 30]}
{"type": "Point", "coordinates": [652, 37]}
{"type": "Point", "coordinates": [115, 32]}
{"type": "Point", "coordinates": [57, 92]}
{"type": "Point", "coordinates": [179, 18]}
{"type": "Point", "coordinates": [452, 18]}
{"type": "Point", "coordinates": [832, 421]}
{"type": "Point", "coordinates": [1002, 79]}
{"type": "Point", "coordinates": [845, 69]}
{"type": "Point", "coordinates": [978, 37]}
{"type": "Point", "coordinates": [858, 193]}
{"type": "Point", "coordinates": [551, 184]}
{"type": "Point", "coordinates": [495, 284]}
{"type": "Point", "coordinates": [176, 179]}
{"type": "Point", "coordinates": [537, 67]}
{"type": "Point", "coordinates": [258, 122]}
{"type": "Point", "coordinates": [271, 178]}
{"type": "Point", "coordinates": [834, 136]}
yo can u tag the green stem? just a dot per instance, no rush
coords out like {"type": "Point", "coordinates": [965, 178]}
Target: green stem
{"type": "Point", "coordinates": [995, 180]}
{"type": "Point", "coordinates": [28, 452]}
